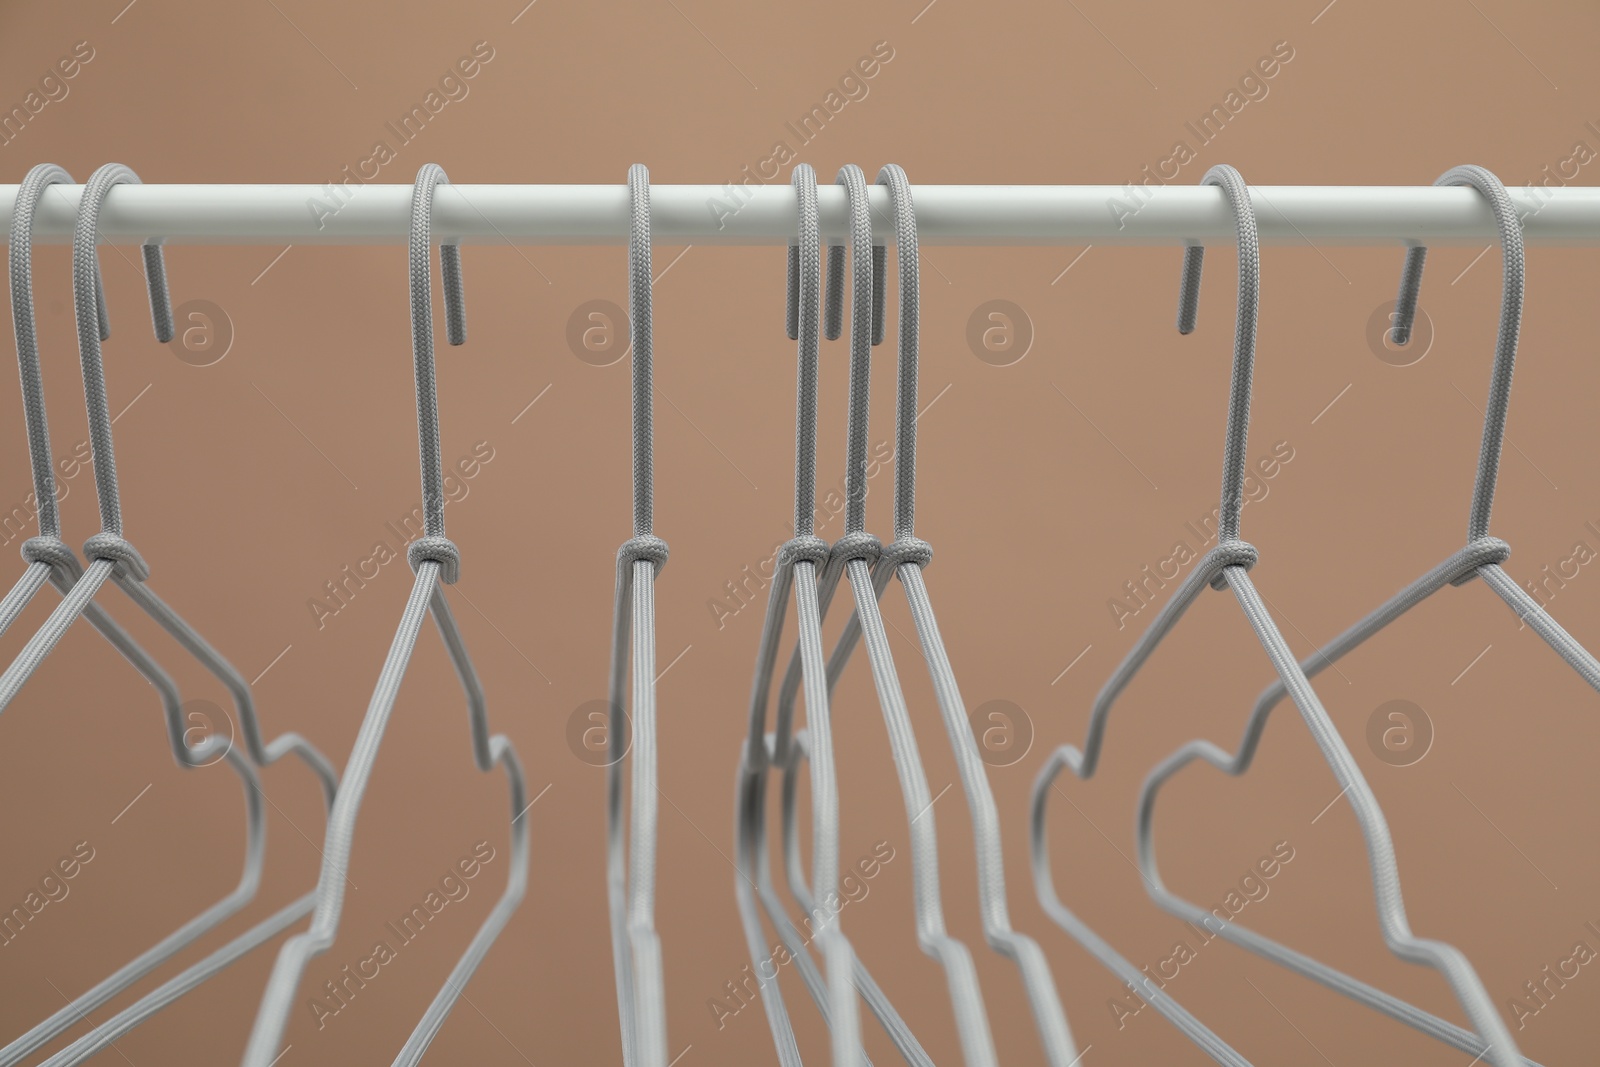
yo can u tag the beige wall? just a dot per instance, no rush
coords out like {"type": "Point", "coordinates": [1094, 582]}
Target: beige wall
{"type": "Point", "coordinates": [1045, 485]}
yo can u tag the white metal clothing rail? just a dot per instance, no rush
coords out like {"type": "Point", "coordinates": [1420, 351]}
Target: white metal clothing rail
{"type": "Point", "coordinates": [764, 214]}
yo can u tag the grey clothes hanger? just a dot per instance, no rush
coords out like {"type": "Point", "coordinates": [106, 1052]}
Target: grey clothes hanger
{"type": "Point", "coordinates": [435, 559]}
{"type": "Point", "coordinates": [1227, 565]}
{"type": "Point", "coordinates": [50, 558]}
{"type": "Point", "coordinates": [631, 863]}
{"type": "Point", "coordinates": [1526, 608]}
{"type": "Point", "coordinates": [106, 1033]}
{"type": "Point", "coordinates": [111, 555]}
{"type": "Point", "coordinates": [799, 744]}
{"type": "Point", "coordinates": [796, 570]}
{"type": "Point", "coordinates": [804, 893]}
{"type": "Point", "coordinates": [1229, 550]}
{"type": "Point", "coordinates": [906, 558]}
{"type": "Point", "coordinates": [855, 555]}
{"type": "Point", "coordinates": [796, 743]}
{"type": "Point", "coordinates": [1482, 555]}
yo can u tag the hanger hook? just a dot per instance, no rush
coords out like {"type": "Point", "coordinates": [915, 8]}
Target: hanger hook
{"type": "Point", "coordinates": [94, 326]}
{"type": "Point", "coordinates": [24, 321]}
{"type": "Point", "coordinates": [433, 545]}
{"type": "Point", "coordinates": [805, 270]}
{"type": "Point", "coordinates": [908, 263]}
{"type": "Point", "coordinates": [856, 542]}
{"type": "Point", "coordinates": [1505, 353]}
{"type": "Point", "coordinates": [639, 311]}
{"type": "Point", "coordinates": [862, 262]}
{"type": "Point", "coordinates": [833, 314]}
{"type": "Point", "coordinates": [1234, 461]}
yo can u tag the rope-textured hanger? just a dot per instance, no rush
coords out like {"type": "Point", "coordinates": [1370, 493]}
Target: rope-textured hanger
{"type": "Point", "coordinates": [1229, 550]}
{"type": "Point", "coordinates": [796, 569]}
{"type": "Point", "coordinates": [488, 751]}
{"type": "Point", "coordinates": [50, 559]}
{"type": "Point", "coordinates": [1482, 555]}
{"type": "Point", "coordinates": [49, 556]}
{"type": "Point", "coordinates": [1227, 564]}
{"type": "Point", "coordinates": [92, 325]}
{"type": "Point", "coordinates": [1518, 599]}
{"type": "Point", "coordinates": [791, 750]}
{"type": "Point", "coordinates": [434, 558]}
{"type": "Point", "coordinates": [855, 554]}
{"type": "Point", "coordinates": [123, 564]}
{"type": "Point", "coordinates": [906, 557]}
{"type": "Point", "coordinates": [631, 864]}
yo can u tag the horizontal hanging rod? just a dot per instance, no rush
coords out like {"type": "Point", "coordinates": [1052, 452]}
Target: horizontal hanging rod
{"type": "Point", "coordinates": [765, 214]}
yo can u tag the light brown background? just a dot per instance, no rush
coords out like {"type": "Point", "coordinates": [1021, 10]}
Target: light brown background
{"type": "Point", "coordinates": [1036, 515]}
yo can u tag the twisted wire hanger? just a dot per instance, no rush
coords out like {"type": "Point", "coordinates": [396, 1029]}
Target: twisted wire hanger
{"type": "Point", "coordinates": [1227, 565]}
{"type": "Point", "coordinates": [796, 568]}
{"type": "Point", "coordinates": [1482, 555]}
{"type": "Point", "coordinates": [631, 863]}
{"type": "Point", "coordinates": [435, 559]}
{"type": "Point", "coordinates": [854, 555]}
{"type": "Point", "coordinates": [49, 557]}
